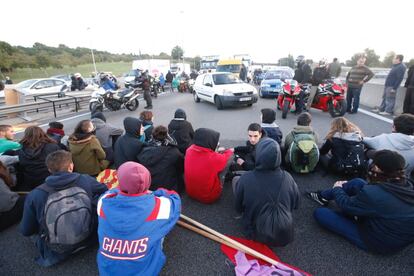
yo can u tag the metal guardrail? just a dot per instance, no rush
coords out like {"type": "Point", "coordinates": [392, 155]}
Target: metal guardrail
{"type": "Point", "coordinates": [42, 101]}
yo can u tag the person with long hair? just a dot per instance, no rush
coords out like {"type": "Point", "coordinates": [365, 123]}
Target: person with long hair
{"type": "Point", "coordinates": [377, 215]}
{"type": "Point", "coordinates": [343, 138]}
{"type": "Point", "coordinates": [11, 204]}
{"type": "Point", "coordinates": [36, 145]}
{"type": "Point", "coordinates": [87, 153]}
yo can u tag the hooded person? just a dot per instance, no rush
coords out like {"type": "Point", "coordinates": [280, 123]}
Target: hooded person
{"type": "Point", "coordinates": [87, 152]}
{"type": "Point", "coordinates": [60, 165]}
{"type": "Point", "coordinates": [269, 125]}
{"type": "Point", "coordinates": [181, 130]}
{"type": "Point", "coordinates": [204, 168]}
{"type": "Point", "coordinates": [133, 223]}
{"type": "Point", "coordinates": [376, 216]}
{"type": "Point", "coordinates": [105, 133]}
{"type": "Point", "coordinates": [56, 132]}
{"type": "Point", "coordinates": [129, 145]}
{"type": "Point", "coordinates": [164, 160]}
{"type": "Point", "coordinates": [266, 197]}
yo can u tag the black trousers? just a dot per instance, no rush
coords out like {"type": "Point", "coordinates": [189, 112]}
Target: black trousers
{"type": "Point", "coordinates": [408, 106]}
{"type": "Point", "coordinates": [147, 97]}
{"type": "Point", "coordinates": [13, 216]}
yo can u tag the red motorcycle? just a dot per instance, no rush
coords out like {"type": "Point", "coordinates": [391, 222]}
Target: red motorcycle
{"type": "Point", "coordinates": [289, 96]}
{"type": "Point", "coordinates": [330, 96]}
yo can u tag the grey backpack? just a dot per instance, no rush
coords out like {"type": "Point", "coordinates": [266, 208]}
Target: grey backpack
{"type": "Point", "coordinates": [67, 217]}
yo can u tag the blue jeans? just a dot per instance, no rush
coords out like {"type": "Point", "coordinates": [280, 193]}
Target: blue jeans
{"type": "Point", "coordinates": [351, 188]}
{"type": "Point", "coordinates": [388, 100]}
{"type": "Point", "coordinates": [353, 94]}
{"type": "Point", "coordinates": [339, 224]}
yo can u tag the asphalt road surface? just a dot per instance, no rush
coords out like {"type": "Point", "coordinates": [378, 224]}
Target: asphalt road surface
{"type": "Point", "coordinates": [314, 249]}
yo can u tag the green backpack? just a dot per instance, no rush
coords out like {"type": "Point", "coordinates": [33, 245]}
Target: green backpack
{"type": "Point", "coordinates": [303, 153]}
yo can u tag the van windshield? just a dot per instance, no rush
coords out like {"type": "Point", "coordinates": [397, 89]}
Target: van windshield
{"type": "Point", "coordinates": [220, 79]}
{"type": "Point", "coordinates": [232, 68]}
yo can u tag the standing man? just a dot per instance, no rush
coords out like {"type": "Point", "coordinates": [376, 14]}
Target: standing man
{"type": "Point", "coordinates": [303, 74]}
{"type": "Point", "coordinates": [146, 86]}
{"type": "Point", "coordinates": [319, 75]}
{"type": "Point", "coordinates": [243, 73]}
{"type": "Point", "coordinates": [409, 94]}
{"type": "Point", "coordinates": [355, 79]}
{"type": "Point", "coordinates": [334, 68]}
{"type": "Point", "coordinates": [392, 83]}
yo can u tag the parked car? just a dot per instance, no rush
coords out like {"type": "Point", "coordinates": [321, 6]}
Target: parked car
{"type": "Point", "coordinates": [224, 89]}
{"type": "Point", "coordinates": [272, 82]}
{"type": "Point", "coordinates": [42, 86]}
{"type": "Point", "coordinates": [66, 78]}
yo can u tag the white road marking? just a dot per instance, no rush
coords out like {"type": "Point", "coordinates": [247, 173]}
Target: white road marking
{"type": "Point", "coordinates": [376, 116]}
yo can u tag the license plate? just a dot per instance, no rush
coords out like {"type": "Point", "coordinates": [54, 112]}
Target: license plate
{"type": "Point", "coordinates": [245, 99]}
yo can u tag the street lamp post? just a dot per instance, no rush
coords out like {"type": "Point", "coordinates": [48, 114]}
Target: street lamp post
{"type": "Point", "coordinates": [93, 56]}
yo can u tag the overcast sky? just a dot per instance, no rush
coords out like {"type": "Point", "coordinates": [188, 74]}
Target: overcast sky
{"type": "Point", "coordinates": [267, 30]}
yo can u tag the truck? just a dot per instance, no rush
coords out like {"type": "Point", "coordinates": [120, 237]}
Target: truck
{"type": "Point", "coordinates": [178, 68]}
{"type": "Point", "coordinates": [209, 63]}
{"type": "Point", "coordinates": [154, 66]}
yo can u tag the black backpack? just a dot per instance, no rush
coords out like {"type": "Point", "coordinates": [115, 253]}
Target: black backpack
{"type": "Point", "coordinates": [354, 161]}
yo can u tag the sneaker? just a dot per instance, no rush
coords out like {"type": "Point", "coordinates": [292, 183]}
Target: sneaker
{"type": "Point", "coordinates": [148, 107]}
{"type": "Point", "coordinates": [385, 113]}
{"type": "Point", "coordinates": [376, 110]}
{"type": "Point", "coordinates": [316, 196]}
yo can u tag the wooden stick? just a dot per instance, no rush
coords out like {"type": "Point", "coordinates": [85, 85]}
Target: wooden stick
{"type": "Point", "coordinates": [235, 244]}
{"type": "Point", "coordinates": [22, 193]}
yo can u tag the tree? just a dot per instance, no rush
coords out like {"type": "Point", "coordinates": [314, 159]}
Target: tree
{"type": "Point", "coordinates": [387, 62]}
{"type": "Point", "coordinates": [196, 63]}
{"type": "Point", "coordinates": [287, 61]}
{"type": "Point", "coordinates": [177, 53]}
{"type": "Point", "coordinates": [163, 55]}
{"type": "Point", "coordinates": [373, 60]}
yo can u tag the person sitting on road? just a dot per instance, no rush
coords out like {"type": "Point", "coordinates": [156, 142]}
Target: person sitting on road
{"type": "Point", "coordinates": [106, 134]}
{"type": "Point", "coordinates": [129, 145]}
{"type": "Point", "coordinates": [266, 197]}
{"type": "Point", "coordinates": [133, 223]}
{"type": "Point", "coordinates": [205, 166]}
{"type": "Point", "coordinates": [11, 204]}
{"type": "Point", "coordinates": [181, 130]}
{"type": "Point", "coordinates": [36, 146]}
{"type": "Point", "coordinates": [87, 153]}
{"type": "Point", "coordinates": [246, 155]}
{"type": "Point", "coordinates": [344, 143]}
{"type": "Point", "coordinates": [377, 215]}
{"type": "Point", "coordinates": [147, 119]}
{"type": "Point", "coordinates": [56, 132]}
{"type": "Point", "coordinates": [303, 131]}
{"type": "Point", "coordinates": [401, 140]}
{"type": "Point", "coordinates": [269, 125]}
{"type": "Point", "coordinates": [164, 160]}
{"type": "Point", "coordinates": [38, 208]}
{"type": "Point", "coordinates": [6, 139]}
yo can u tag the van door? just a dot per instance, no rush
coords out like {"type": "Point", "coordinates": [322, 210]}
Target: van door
{"type": "Point", "coordinates": [208, 88]}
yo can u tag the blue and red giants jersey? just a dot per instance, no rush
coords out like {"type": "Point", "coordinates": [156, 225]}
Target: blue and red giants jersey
{"type": "Point", "coordinates": [131, 229]}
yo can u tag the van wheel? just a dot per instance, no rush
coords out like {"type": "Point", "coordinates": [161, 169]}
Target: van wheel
{"type": "Point", "coordinates": [196, 98]}
{"type": "Point", "coordinates": [218, 103]}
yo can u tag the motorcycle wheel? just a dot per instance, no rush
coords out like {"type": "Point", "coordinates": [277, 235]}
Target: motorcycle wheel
{"type": "Point", "coordinates": [285, 109]}
{"type": "Point", "coordinates": [95, 107]}
{"type": "Point", "coordinates": [339, 110]}
{"type": "Point", "coordinates": [133, 105]}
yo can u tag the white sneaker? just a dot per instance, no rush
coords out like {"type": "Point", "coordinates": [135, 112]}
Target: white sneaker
{"type": "Point", "coordinates": [376, 110]}
{"type": "Point", "coordinates": [385, 113]}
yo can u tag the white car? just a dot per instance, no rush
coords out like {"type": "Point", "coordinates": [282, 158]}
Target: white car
{"type": "Point", "coordinates": [42, 86]}
{"type": "Point", "coordinates": [224, 89]}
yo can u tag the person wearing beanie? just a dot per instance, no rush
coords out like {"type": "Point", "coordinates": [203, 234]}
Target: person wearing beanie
{"type": "Point", "coordinates": [133, 223]}
{"type": "Point", "coordinates": [205, 166]}
{"type": "Point", "coordinates": [181, 130]}
{"type": "Point", "coordinates": [269, 125]}
{"type": "Point", "coordinates": [106, 134]}
{"type": "Point", "coordinates": [376, 216]}
{"type": "Point", "coordinates": [56, 132]}
{"type": "Point", "coordinates": [128, 146]}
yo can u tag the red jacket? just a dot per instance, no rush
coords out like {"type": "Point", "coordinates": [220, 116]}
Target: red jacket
{"type": "Point", "coordinates": [201, 169]}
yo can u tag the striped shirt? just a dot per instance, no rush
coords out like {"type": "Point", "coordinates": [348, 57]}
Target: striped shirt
{"type": "Point", "coordinates": [358, 74]}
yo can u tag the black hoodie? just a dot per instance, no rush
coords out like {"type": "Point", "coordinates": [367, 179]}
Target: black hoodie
{"type": "Point", "coordinates": [32, 165]}
{"type": "Point", "coordinates": [181, 130]}
{"type": "Point", "coordinates": [128, 146]}
{"type": "Point", "coordinates": [265, 183]}
{"type": "Point", "coordinates": [206, 138]}
{"type": "Point", "coordinates": [165, 163]}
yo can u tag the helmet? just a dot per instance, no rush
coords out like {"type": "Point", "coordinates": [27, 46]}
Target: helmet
{"type": "Point", "coordinates": [300, 58]}
{"type": "Point", "coordinates": [77, 75]}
